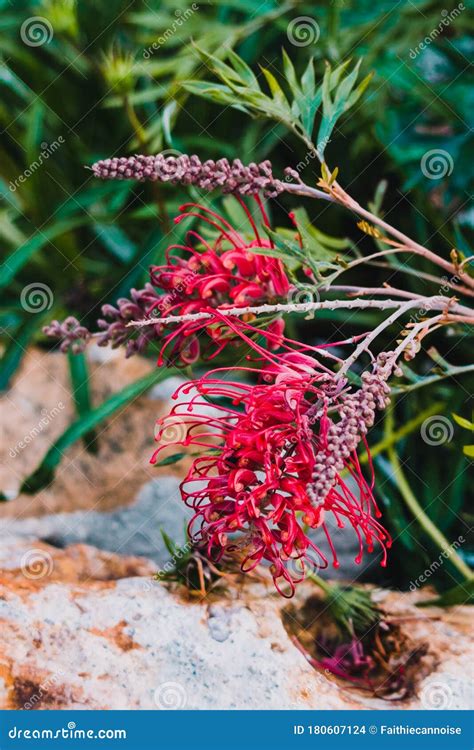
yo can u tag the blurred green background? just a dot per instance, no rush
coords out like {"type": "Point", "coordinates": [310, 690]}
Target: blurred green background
{"type": "Point", "coordinates": [87, 80]}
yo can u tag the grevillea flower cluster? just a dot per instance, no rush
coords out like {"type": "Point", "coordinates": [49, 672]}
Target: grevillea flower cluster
{"type": "Point", "coordinates": [278, 456]}
{"type": "Point", "coordinates": [202, 274]}
{"type": "Point", "coordinates": [254, 490]}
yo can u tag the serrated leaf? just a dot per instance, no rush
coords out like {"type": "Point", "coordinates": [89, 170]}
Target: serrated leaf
{"type": "Point", "coordinates": [215, 92]}
{"type": "Point", "coordinates": [244, 71]}
{"type": "Point", "coordinates": [334, 108]}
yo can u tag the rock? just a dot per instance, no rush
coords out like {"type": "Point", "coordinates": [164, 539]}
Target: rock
{"type": "Point", "coordinates": [133, 644]}
{"type": "Point", "coordinates": [39, 407]}
{"type": "Point", "coordinates": [132, 530]}
{"type": "Point", "coordinates": [29, 560]}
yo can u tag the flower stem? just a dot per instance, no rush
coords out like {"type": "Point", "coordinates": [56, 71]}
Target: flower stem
{"type": "Point", "coordinates": [414, 506]}
{"type": "Point", "coordinates": [326, 587]}
{"type": "Point", "coordinates": [425, 303]}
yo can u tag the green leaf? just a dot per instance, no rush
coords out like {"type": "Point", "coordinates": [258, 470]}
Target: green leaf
{"type": "Point", "coordinates": [16, 348]}
{"type": "Point", "coordinates": [342, 101]}
{"type": "Point", "coordinates": [274, 86]}
{"type": "Point", "coordinates": [215, 92]}
{"type": "Point", "coordinates": [290, 75]}
{"type": "Point", "coordinates": [79, 377]}
{"type": "Point", "coordinates": [116, 241]}
{"type": "Point", "coordinates": [19, 257]}
{"type": "Point", "coordinates": [468, 450]}
{"type": "Point", "coordinates": [169, 544]}
{"type": "Point", "coordinates": [44, 473]}
{"type": "Point", "coordinates": [355, 96]}
{"type": "Point", "coordinates": [170, 460]}
{"type": "Point", "coordinates": [320, 245]}
{"type": "Point", "coordinates": [245, 72]}
{"type": "Point", "coordinates": [463, 422]}
{"type": "Point", "coordinates": [463, 593]}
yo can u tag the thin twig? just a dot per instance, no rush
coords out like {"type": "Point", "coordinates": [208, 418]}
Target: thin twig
{"type": "Point", "coordinates": [365, 344]}
{"type": "Point", "coordinates": [424, 303]}
{"type": "Point", "coordinates": [341, 197]}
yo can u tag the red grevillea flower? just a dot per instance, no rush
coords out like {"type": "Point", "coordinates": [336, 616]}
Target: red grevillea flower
{"type": "Point", "coordinates": [251, 491]}
{"type": "Point", "coordinates": [221, 273]}
{"type": "Point", "coordinates": [199, 276]}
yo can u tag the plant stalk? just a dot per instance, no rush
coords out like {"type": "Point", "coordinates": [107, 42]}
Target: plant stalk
{"type": "Point", "coordinates": [414, 506]}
